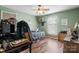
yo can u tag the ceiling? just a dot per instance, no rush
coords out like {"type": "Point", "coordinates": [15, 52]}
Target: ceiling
{"type": "Point", "coordinates": [52, 8]}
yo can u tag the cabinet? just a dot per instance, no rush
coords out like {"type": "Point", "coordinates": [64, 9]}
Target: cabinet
{"type": "Point", "coordinates": [61, 36]}
{"type": "Point", "coordinates": [71, 47]}
{"type": "Point", "coordinates": [8, 21]}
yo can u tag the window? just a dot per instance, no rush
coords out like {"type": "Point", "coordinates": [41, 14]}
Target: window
{"type": "Point", "coordinates": [64, 24]}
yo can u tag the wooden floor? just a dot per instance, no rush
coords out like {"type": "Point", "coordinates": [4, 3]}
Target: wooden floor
{"type": "Point", "coordinates": [46, 45]}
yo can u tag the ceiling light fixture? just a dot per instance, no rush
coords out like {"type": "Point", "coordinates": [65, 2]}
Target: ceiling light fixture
{"type": "Point", "coordinates": [40, 9]}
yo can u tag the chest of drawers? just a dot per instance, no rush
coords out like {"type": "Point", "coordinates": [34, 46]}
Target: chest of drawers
{"type": "Point", "coordinates": [71, 47]}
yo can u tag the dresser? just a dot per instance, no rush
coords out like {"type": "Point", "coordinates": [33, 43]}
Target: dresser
{"type": "Point", "coordinates": [71, 47]}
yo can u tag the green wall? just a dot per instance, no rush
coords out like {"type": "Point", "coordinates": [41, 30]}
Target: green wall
{"type": "Point", "coordinates": [30, 19]}
{"type": "Point", "coordinates": [71, 15]}
{"type": "Point", "coordinates": [34, 22]}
